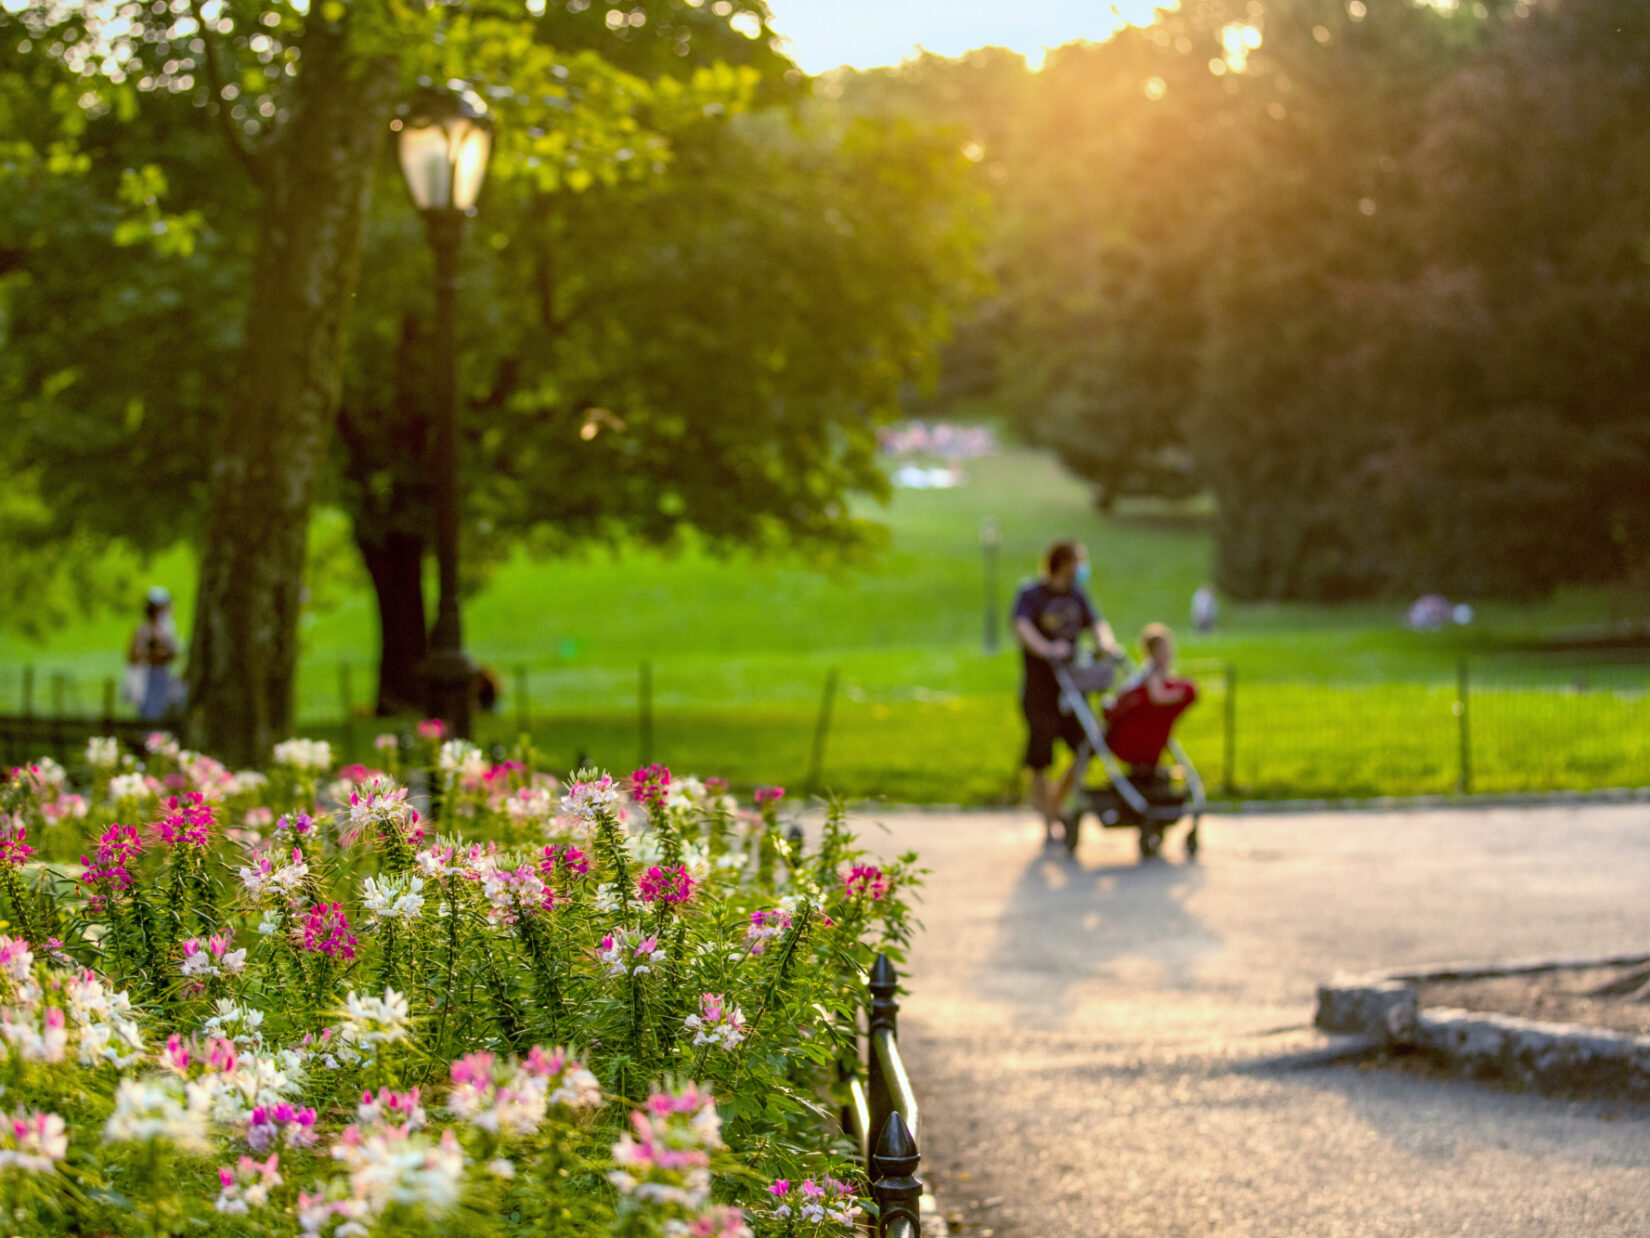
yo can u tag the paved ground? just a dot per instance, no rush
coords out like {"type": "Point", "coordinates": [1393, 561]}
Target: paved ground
{"type": "Point", "coordinates": [1107, 1048]}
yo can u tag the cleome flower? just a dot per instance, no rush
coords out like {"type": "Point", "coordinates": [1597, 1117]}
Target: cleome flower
{"type": "Point", "coordinates": [865, 879]}
{"type": "Point", "coordinates": [391, 1109]}
{"type": "Point", "coordinates": [271, 877]}
{"type": "Point", "coordinates": [32, 1141]}
{"type": "Point", "coordinates": [248, 1184]}
{"type": "Point", "coordinates": [628, 952]}
{"type": "Point", "coordinates": [717, 1023]}
{"type": "Point", "coordinates": [394, 1166]}
{"type": "Point", "coordinates": [14, 848]}
{"type": "Point", "coordinates": [188, 821]}
{"type": "Point", "coordinates": [649, 786]}
{"type": "Point", "coordinates": [326, 931]}
{"type": "Point", "coordinates": [212, 956]}
{"type": "Point", "coordinates": [160, 1107]}
{"type": "Point", "coordinates": [585, 802]}
{"type": "Point", "coordinates": [667, 885]}
{"type": "Point", "coordinates": [392, 898]}
{"type": "Point", "coordinates": [304, 755]}
{"type": "Point", "coordinates": [373, 1021]}
{"type": "Point", "coordinates": [826, 1201]}
{"type": "Point", "coordinates": [666, 1158]}
{"type": "Point", "coordinates": [282, 1123]}
{"type": "Point", "coordinates": [103, 752]}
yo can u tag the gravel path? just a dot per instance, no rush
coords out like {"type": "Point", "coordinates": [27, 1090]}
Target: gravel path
{"type": "Point", "coordinates": [1106, 1048]}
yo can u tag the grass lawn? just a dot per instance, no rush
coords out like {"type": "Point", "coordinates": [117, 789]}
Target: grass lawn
{"type": "Point", "coordinates": [1329, 700]}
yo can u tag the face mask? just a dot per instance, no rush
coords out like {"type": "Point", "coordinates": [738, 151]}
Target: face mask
{"type": "Point", "coordinates": [1083, 573]}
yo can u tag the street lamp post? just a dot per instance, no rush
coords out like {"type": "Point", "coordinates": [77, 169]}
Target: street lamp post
{"type": "Point", "coordinates": [991, 540]}
{"type": "Point", "coordinates": [444, 140]}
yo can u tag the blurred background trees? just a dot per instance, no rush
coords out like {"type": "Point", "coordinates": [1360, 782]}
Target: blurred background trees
{"type": "Point", "coordinates": [1375, 278]}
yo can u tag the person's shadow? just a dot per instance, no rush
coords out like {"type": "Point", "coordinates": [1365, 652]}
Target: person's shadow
{"type": "Point", "coordinates": [1068, 924]}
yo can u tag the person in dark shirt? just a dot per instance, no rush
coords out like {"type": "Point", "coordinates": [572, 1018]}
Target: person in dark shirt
{"type": "Point", "coordinates": [1049, 616]}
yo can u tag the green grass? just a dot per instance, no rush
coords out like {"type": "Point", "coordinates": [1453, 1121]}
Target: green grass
{"type": "Point", "coordinates": [1330, 700]}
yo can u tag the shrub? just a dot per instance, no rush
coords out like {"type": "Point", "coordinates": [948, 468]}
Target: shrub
{"type": "Point", "coordinates": [293, 1004]}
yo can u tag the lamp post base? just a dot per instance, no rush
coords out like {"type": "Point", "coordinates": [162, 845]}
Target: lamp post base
{"type": "Point", "coordinates": [449, 683]}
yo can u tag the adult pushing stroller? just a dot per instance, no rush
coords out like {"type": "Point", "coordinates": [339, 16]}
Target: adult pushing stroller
{"type": "Point", "coordinates": [1135, 733]}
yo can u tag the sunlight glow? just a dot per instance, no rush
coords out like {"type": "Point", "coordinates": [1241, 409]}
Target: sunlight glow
{"type": "Point", "coordinates": [822, 34]}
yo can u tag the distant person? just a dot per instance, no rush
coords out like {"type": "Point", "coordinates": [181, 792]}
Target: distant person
{"type": "Point", "coordinates": [153, 649]}
{"type": "Point", "coordinates": [1205, 609]}
{"type": "Point", "coordinates": [1050, 614]}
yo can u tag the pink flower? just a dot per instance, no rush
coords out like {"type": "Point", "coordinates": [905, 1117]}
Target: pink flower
{"type": "Point", "coordinates": [386, 743]}
{"type": "Point", "coordinates": [14, 850]}
{"type": "Point", "coordinates": [769, 795]}
{"type": "Point", "coordinates": [432, 729]}
{"type": "Point", "coordinates": [649, 784]}
{"type": "Point", "coordinates": [764, 926]}
{"type": "Point", "coordinates": [865, 879]}
{"type": "Point", "coordinates": [188, 821]}
{"type": "Point", "coordinates": [280, 1122]}
{"type": "Point", "coordinates": [672, 885]}
{"type": "Point", "coordinates": [716, 786]}
{"type": "Point", "coordinates": [326, 931]}
{"type": "Point", "coordinates": [565, 857]}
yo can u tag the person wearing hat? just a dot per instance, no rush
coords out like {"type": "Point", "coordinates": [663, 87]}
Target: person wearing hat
{"type": "Point", "coordinates": [153, 650]}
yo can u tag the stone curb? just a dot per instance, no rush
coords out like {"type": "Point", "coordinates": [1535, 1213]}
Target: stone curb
{"type": "Point", "coordinates": [1385, 1010]}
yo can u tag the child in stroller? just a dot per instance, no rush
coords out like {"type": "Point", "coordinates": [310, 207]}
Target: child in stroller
{"type": "Point", "coordinates": [1138, 728]}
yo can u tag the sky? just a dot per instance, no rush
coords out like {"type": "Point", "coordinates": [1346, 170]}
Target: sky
{"type": "Point", "coordinates": [867, 33]}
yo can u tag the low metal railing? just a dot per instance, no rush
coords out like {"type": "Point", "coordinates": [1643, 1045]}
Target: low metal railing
{"type": "Point", "coordinates": [882, 1112]}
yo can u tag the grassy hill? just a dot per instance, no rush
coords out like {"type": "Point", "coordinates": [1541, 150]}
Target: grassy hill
{"type": "Point", "coordinates": [740, 651]}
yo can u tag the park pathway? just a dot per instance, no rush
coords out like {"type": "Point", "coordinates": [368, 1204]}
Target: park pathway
{"type": "Point", "coordinates": [1107, 1048]}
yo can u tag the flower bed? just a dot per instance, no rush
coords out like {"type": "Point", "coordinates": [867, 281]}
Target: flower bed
{"type": "Point", "coordinates": [238, 1003]}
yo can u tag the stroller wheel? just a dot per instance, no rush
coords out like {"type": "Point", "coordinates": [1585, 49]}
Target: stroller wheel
{"type": "Point", "coordinates": [1151, 842]}
{"type": "Point", "coordinates": [1192, 843]}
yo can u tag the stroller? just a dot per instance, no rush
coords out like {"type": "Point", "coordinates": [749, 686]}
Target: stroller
{"type": "Point", "coordinates": [1135, 733]}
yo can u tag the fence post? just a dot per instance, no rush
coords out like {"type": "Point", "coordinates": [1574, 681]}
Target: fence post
{"type": "Point", "coordinates": [1229, 779]}
{"type": "Point", "coordinates": [894, 1178]}
{"type": "Point", "coordinates": [1464, 725]}
{"type": "Point", "coordinates": [883, 1015]}
{"type": "Point", "coordinates": [644, 712]}
{"type": "Point", "coordinates": [524, 709]}
{"type": "Point", "coordinates": [109, 705]}
{"type": "Point", "coordinates": [28, 691]}
{"type": "Point", "coordinates": [822, 728]}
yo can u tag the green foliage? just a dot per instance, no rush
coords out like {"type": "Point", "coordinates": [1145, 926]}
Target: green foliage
{"type": "Point", "coordinates": [1375, 276]}
{"type": "Point", "coordinates": [382, 1009]}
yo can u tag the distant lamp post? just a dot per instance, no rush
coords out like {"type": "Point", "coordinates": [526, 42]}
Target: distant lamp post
{"type": "Point", "coordinates": [444, 140]}
{"type": "Point", "coordinates": [991, 541]}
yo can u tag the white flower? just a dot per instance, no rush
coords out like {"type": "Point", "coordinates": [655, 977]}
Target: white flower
{"type": "Point", "coordinates": [247, 780]}
{"type": "Point", "coordinates": [235, 1022]}
{"type": "Point", "coordinates": [304, 754]}
{"type": "Point", "coordinates": [645, 849]}
{"type": "Point", "coordinates": [32, 1141]}
{"type": "Point", "coordinates": [373, 1021]}
{"type": "Point", "coordinates": [270, 924]}
{"type": "Point", "coordinates": [389, 1167]}
{"type": "Point", "coordinates": [103, 752]}
{"type": "Point", "coordinates": [586, 801]}
{"type": "Point", "coordinates": [133, 786]}
{"type": "Point", "coordinates": [578, 1089]}
{"type": "Point", "coordinates": [392, 898]}
{"type": "Point", "coordinates": [607, 899]}
{"type": "Point", "coordinates": [460, 756]}
{"type": "Point", "coordinates": [160, 1107]}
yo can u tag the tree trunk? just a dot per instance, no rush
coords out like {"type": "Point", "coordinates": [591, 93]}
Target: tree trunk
{"type": "Point", "coordinates": [317, 181]}
{"type": "Point", "coordinates": [396, 565]}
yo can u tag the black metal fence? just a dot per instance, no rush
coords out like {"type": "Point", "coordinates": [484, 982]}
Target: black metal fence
{"type": "Point", "coordinates": [1499, 724]}
{"type": "Point", "coordinates": [882, 1113]}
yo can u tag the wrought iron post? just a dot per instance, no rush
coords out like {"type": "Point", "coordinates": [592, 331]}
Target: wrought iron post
{"type": "Point", "coordinates": [1463, 691]}
{"type": "Point", "coordinates": [894, 1182]}
{"type": "Point", "coordinates": [882, 1016]}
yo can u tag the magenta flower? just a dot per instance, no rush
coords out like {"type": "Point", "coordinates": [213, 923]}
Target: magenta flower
{"type": "Point", "coordinates": [865, 879]}
{"type": "Point", "coordinates": [565, 857]}
{"type": "Point", "coordinates": [188, 821]}
{"type": "Point", "coordinates": [672, 885]}
{"type": "Point", "coordinates": [14, 850]}
{"type": "Point", "coordinates": [769, 795]}
{"type": "Point", "coordinates": [326, 931]}
{"type": "Point", "coordinates": [649, 785]}
{"type": "Point", "coordinates": [433, 729]}
{"type": "Point", "coordinates": [716, 786]}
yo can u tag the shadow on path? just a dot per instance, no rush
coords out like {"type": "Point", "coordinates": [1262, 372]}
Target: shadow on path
{"type": "Point", "coordinates": [1065, 924]}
